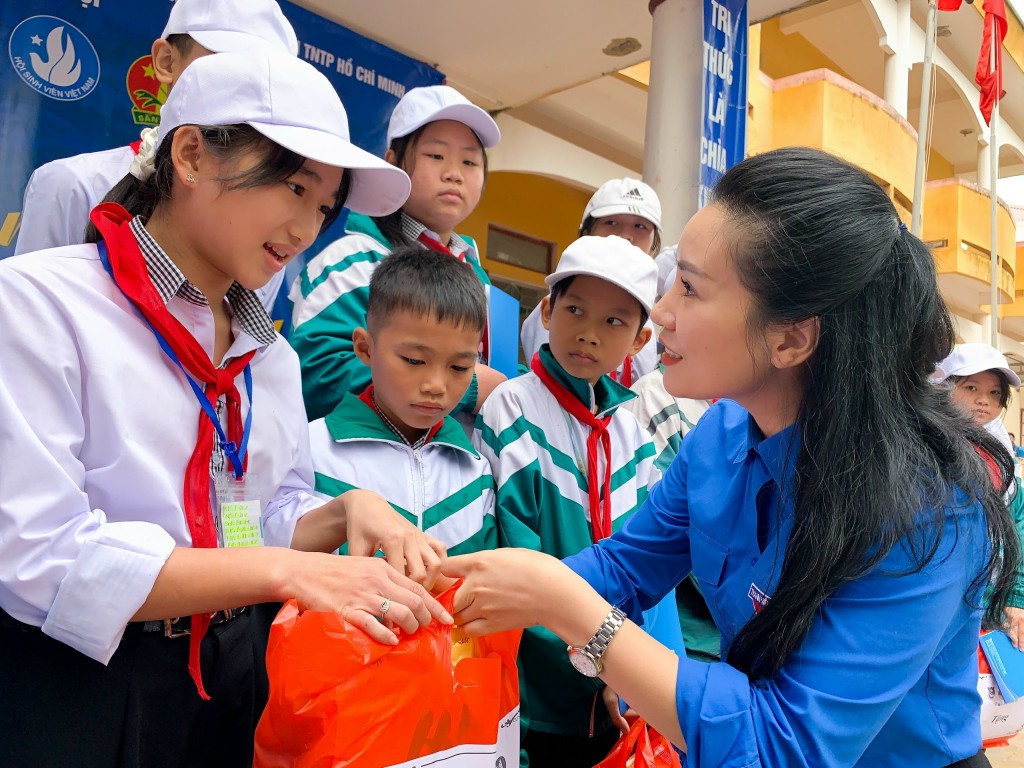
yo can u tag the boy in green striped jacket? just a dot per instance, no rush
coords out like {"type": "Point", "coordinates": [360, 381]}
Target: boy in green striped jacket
{"type": "Point", "coordinates": [424, 323]}
{"type": "Point", "coordinates": [571, 467]}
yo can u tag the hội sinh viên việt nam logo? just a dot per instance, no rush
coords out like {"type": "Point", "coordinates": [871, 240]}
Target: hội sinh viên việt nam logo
{"type": "Point", "coordinates": [146, 92]}
{"type": "Point", "coordinates": [54, 58]}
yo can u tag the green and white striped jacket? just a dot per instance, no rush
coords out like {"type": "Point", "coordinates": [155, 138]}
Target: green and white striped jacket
{"type": "Point", "coordinates": [666, 418]}
{"type": "Point", "coordinates": [538, 454]}
{"type": "Point", "coordinates": [444, 488]}
{"type": "Point", "coordinates": [329, 300]}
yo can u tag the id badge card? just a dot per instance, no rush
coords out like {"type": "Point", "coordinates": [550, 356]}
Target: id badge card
{"type": "Point", "coordinates": [239, 518]}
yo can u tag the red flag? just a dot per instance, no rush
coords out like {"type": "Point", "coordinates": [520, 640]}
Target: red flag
{"type": "Point", "coordinates": [991, 80]}
{"type": "Point", "coordinates": [949, 5]}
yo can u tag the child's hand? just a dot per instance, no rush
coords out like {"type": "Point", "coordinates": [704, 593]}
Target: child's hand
{"type": "Point", "coordinates": [372, 524]}
{"type": "Point", "coordinates": [1015, 626]}
{"type": "Point", "coordinates": [611, 703]}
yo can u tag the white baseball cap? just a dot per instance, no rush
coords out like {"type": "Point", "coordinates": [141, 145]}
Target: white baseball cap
{"type": "Point", "coordinates": [613, 259]}
{"type": "Point", "coordinates": [292, 104]}
{"type": "Point", "coordinates": [624, 196]}
{"type": "Point", "coordinates": [968, 359]}
{"type": "Point", "coordinates": [232, 25]}
{"type": "Point", "coordinates": [430, 103]}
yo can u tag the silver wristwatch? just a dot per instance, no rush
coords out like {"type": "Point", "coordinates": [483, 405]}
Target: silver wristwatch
{"type": "Point", "coordinates": [587, 660]}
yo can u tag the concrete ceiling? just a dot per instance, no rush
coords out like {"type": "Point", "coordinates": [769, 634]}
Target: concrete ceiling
{"type": "Point", "coordinates": [504, 55]}
{"type": "Point", "coordinates": [544, 62]}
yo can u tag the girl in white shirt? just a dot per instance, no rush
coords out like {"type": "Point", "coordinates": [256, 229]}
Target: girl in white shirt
{"type": "Point", "coordinates": [120, 507]}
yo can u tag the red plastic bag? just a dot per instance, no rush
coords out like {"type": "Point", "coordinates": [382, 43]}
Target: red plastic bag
{"type": "Point", "coordinates": [338, 698]}
{"type": "Point", "coordinates": [641, 747]}
{"type": "Point", "coordinates": [1000, 721]}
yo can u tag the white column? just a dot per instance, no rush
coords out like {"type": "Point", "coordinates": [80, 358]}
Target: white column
{"type": "Point", "coordinates": [894, 72]}
{"type": "Point", "coordinates": [896, 85]}
{"type": "Point", "coordinates": [984, 163]}
{"type": "Point", "coordinates": [674, 100]}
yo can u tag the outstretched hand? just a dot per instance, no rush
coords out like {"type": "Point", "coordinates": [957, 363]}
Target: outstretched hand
{"type": "Point", "coordinates": [373, 525]}
{"type": "Point", "coordinates": [515, 588]}
{"type": "Point", "coordinates": [366, 591]}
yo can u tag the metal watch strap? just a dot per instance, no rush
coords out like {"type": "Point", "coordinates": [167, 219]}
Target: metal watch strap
{"type": "Point", "coordinates": [598, 644]}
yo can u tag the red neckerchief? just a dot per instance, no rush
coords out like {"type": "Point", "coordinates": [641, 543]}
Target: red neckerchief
{"type": "Point", "coordinates": [135, 145]}
{"type": "Point", "coordinates": [436, 245]}
{"type": "Point", "coordinates": [368, 399]}
{"type": "Point", "coordinates": [132, 277]}
{"type": "Point", "coordinates": [990, 463]}
{"type": "Point", "coordinates": [626, 379]}
{"type": "Point", "coordinates": [600, 497]}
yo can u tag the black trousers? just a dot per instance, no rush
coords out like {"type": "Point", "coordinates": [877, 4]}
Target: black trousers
{"type": "Point", "coordinates": [977, 761]}
{"type": "Point", "coordinates": [547, 750]}
{"type": "Point", "coordinates": [60, 708]}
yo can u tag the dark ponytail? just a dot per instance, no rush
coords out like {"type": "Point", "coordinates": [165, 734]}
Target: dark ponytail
{"type": "Point", "coordinates": [881, 448]}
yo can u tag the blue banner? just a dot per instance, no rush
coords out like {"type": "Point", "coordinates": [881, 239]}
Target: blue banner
{"type": "Point", "coordinates": [77, 77]}
{"type": "Point", "coordinates": [724, 125]}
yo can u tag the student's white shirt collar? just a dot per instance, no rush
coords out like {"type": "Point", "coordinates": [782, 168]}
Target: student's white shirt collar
{"type": "Point", "coordinates": [169, 281]}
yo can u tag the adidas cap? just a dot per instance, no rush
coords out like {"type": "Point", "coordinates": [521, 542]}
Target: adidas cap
{"type": "Point", "coordinates": [624, 196]}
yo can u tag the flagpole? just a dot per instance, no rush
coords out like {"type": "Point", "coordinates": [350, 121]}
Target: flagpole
{"type": "Point", "coordinates": [922, 119]}
{"type": "Point", "coordinates": [993, 152]}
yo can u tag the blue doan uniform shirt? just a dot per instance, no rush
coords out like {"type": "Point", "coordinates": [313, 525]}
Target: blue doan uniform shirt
{"type": "Point", "coordinates": [887, 674]}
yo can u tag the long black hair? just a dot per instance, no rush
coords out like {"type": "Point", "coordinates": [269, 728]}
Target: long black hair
{"type": "Point", "coordinates": [276, 164]}
{"type": "Point", "coordinates": [880, 448]}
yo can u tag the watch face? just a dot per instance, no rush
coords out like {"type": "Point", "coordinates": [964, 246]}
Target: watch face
{"type": "Point", "coordinates": [584, 663]}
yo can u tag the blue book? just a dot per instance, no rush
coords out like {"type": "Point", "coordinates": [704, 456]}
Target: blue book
{"type": "Point", "coordinates": [1007, 664]}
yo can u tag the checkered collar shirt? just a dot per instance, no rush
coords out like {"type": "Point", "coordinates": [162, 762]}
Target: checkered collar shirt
{"type": "Point", "coordinates": [390, 425]}
{"type": "Point", "coordinates": [413, 229]}
{"type": "Point", "coordinates": [169, 282]}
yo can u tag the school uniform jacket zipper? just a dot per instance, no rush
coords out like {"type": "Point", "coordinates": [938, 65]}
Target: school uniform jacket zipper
{"type": "Point", "coordinates": [419, 480]}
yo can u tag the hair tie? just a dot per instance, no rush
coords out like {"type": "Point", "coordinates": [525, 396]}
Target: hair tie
{"type": "Point", "coordinates": [143, 164]}
{"type": "Point", "coordinates": [902, 227]}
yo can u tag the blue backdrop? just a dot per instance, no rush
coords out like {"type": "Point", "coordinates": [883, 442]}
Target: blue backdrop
{"type": "Point", "coordinates": [77, 78]}
{"type": "Point", "coordinates": [724, 124]}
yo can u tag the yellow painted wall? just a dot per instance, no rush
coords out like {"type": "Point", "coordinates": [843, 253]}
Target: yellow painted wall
{"type": "Point", "coordinates": [1020, 265]}
{"type": "Point", "coordinates": [938, 167]}
{"type": "Point", "coordinates": [760, 99]}
{"type": "Point", "coordinates": [1017, 308]}
{"type": "Point", "coordinates": [824, 114]}
{"type": "Point", "coordinates": [957, 213]}
{"type": "Point", "coordinates": [798, 115]}
{"type": "Point", "coordinates": [869, 136]}
{"type": "Point", "coordinates": [785, 55]}
{"type": "Point", "coordinates": [545, 208]}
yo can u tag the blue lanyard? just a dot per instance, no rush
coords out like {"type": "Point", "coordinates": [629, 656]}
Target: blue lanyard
{"type": "Point", "coordinates": [234, 453]}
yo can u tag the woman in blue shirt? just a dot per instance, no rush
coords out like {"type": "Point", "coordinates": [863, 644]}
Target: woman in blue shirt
{"type": "Point", "coordinates": [834, 508]}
